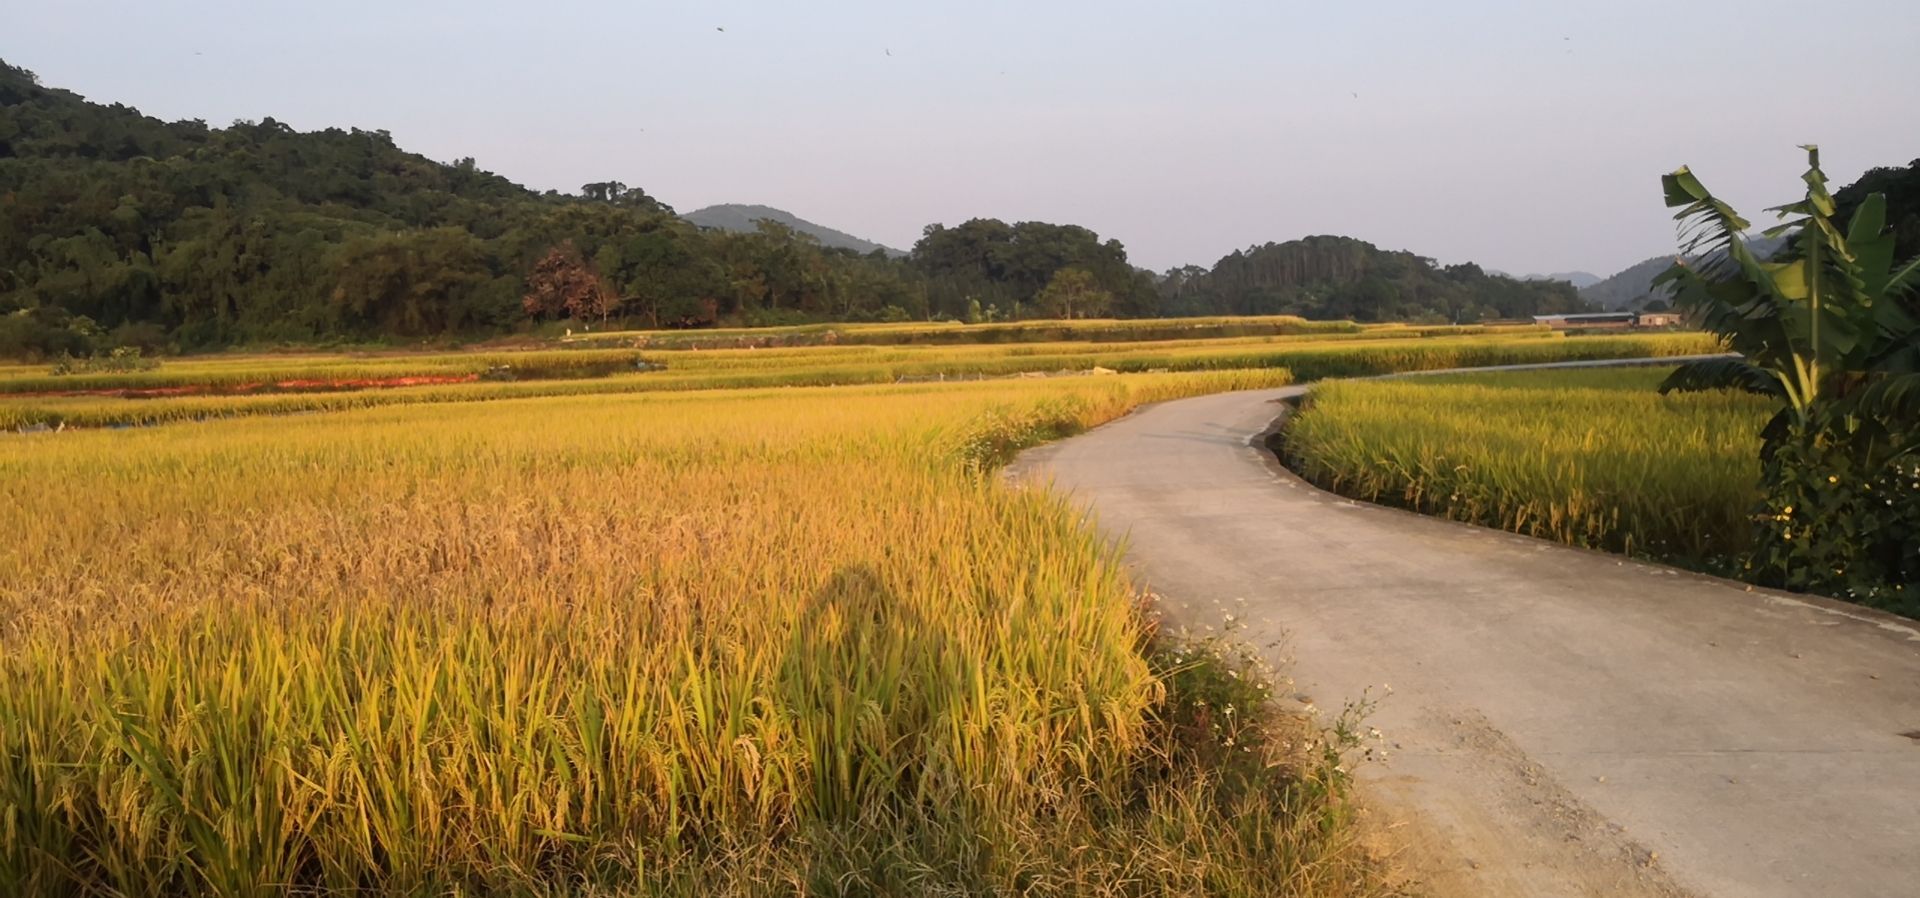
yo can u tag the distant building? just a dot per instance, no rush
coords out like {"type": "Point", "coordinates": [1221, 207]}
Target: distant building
{"type": "Point", "coordinates": [1588, 320]}
{"type": "Point", "coordinates": [1602, 320]}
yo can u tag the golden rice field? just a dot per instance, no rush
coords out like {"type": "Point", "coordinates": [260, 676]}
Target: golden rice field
{"type": "Point", "coordinates": [234, 371]}
{"type": "Point", "coordinates": [1591, 458]}
{"type": "Point", "coordinates": [954, 332]}
{"type": "Point", "coordinates": [747, 642]}
{"type": "Point", "coordinates": [545, 372]}
{"type": "Point", "coordinates": [751, 622]}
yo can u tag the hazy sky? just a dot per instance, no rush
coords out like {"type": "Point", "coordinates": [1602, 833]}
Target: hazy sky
{"type": "Point", "coordinates": [1527, 136]}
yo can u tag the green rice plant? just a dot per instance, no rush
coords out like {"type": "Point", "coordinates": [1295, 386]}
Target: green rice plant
{"type": "Point", "coordinates": [1594, 458]}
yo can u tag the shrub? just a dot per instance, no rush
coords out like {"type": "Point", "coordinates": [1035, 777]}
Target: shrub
{"type": "Point", "coordinates": [44, 332]}
{"type": "Point", "coordinates": [1840, 522]}
{"type": "Point", "coordinates": [120, 360]}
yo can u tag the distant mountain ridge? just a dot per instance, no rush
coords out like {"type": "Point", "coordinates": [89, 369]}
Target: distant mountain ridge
{"type": "Point", "coordinates": [1633, 288]}
{"type": "Point", "coordinates": [1579, 279]}
{"type": "Point", "coordinates": [743, 217]}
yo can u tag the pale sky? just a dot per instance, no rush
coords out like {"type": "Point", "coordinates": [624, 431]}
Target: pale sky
{"type": "Point", "coordinates": [1527, 136]}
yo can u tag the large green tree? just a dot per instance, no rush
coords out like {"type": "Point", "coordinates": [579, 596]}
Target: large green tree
{"type": "Point", "coordinates": [1005, 266]}
{"type": "Point", "coordinates": [1072, 293]}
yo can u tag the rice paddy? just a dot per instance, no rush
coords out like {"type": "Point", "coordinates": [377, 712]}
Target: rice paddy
{"type": "Point", "coordinates": [754, 641]}
{"type": "Point", "coordinates": [543, 373]}
{"type": "Point", "coordinates": [758, 622]}
{"type": "Point", "coordinates": [954, 332]}
{"type": "Point", "coordinates": [1589, 458]}
{"type": "Point", "coordinates": [309, 371]}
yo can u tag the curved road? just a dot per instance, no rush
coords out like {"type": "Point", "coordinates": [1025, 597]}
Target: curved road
{"type": "Point", "coordinates": [1562, 722]}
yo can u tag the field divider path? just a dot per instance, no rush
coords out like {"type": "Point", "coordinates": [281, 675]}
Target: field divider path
{"type": "Point", "coordinates": [1558, 721]}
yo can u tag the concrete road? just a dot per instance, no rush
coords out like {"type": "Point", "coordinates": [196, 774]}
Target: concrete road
{"type": "Point", "coordinates": [1566, 722]}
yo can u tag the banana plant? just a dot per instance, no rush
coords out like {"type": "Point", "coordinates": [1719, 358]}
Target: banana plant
{"type": "Point", "coordinates": [1827, 326]}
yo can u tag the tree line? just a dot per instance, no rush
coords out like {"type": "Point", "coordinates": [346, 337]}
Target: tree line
{"type": "Point", "coordinates": [118, 229]}
{"type": "Point", "coordinates": [1340, 277]}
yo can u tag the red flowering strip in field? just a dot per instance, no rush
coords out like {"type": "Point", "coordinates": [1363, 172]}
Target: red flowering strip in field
{"type": "Point", "coordinates": [290, 386]}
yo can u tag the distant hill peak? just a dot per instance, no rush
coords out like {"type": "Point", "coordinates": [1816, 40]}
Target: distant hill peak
{"type": "Point", "coordinates": [744, 217]}
{"type": "Point", "coordinates": [1633, 287]}
{"type": "Point", "coordinates": [1579, 279]}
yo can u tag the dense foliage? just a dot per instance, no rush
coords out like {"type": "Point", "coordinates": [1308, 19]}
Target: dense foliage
{"type": "Point", "coordinates": [1340, 277]}
{"type": "Point", "coordinates": [119, 228]}
{"type": "Point", "coordinates": [995, 269]}
{"type": "Point", "coordinates": [1901, 188]}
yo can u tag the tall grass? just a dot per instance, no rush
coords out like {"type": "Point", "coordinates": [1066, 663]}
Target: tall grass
{"type": "Point", "coordinates": [1588, 458]}
{"type": "Point", "coordinates": [747, 643]}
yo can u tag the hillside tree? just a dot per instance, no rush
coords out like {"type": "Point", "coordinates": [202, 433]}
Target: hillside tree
{"type": "Point", "coordinates": [562, 283]}
{"type": "Point", "coordinates": [1072, 293]}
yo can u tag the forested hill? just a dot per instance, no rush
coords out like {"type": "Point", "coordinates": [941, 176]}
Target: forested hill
{"type": "Point", "coordinates": [120, 229]}
{"type": "Point", "coordinates": [737, 217]}
{"type": "Point", "coordinates": [203, 236]}
{"type": "Point", "coordinates": [1340, 277]}
{"type": "Point", "coordinates": [1631, 287]}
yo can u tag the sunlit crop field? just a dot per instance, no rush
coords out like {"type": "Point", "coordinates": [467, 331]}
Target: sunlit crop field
{"type": "Point", "coordinates": [749, 642]}
{"type": "Point", "coordinates": [23, 402]}
{"type": "Point", "coordinates": [750, 621]}
{"type": "Point", "coordinates": [305, 369]}
{"type": "Point", "coordinates": [1589, 458]}
{"type": "Point", "coordinates": [954, 332]}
